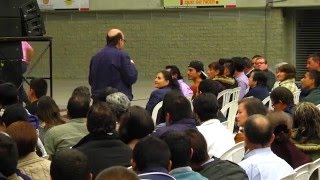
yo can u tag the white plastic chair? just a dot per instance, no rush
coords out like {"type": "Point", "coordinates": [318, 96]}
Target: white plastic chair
{"type": "Point", "coordinates": [236, 94]}
{"type": "Point", "coordinates": [226, 96]}
{"type": "Point", "coordinates": [268, 100]}
{"type": "Point", "coordinates": [230, 109]}
{"type": "Point", "coordinates": [314, 166]}
{"type": "Point", "coordinates": [303, 172]}
{"type": "Point", "coordinates": [155, 112]}
{"type": "Point", "coordinates": [296, 96]}
{"type": "Point", "coordinates": [235, 154]}
{"type": "Point", "coordinates": [290, 176]}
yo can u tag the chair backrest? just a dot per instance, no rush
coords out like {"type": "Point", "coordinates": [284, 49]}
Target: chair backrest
{"type": "Point", "coordinates": [235, 154]}
{"type": "Point", "coordinates": [226, 96]}
{"type": "Point", "coordinates": [314, 166]}
{"type": "Point", "coordinates": [230, 112]}
{"type": "Point", "coordinates": [155, 112]}
{"type": "Point", "coordinates": [303, 172]}
{"type": "Point", "coordinates": [290, 176]}
{"type": "Point", "coordinates": [236, 93]}
{"type": "Point", "coordinates": [268, 100]}
{"type": "Point", "coordinates": [189, 97]}
{"type": "Point", "coordinates": [296, 96]}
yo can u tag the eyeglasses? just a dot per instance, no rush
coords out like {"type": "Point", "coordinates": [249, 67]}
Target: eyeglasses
{"type": "Point", "coordinates": [124, 40]}
{"type": "Point", "coordinates": [259, 62]}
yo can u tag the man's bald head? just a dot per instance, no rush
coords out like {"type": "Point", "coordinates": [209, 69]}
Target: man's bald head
{"type": "Point", "coordinates": [113, 32]}
{"type": "Point", "coordinates": [258, 130]}
{"type": "Point", "coordinates": [115, 38]}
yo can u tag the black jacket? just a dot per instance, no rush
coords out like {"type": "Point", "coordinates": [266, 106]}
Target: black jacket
{"type": "Point", "coordinates": [103, 151]}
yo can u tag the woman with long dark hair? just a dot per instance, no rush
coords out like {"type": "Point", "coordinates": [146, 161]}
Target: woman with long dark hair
{"type": "Point", "coordinates": [164, 83]}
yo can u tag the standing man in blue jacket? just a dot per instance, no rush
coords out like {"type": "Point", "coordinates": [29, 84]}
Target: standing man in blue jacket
{"type": "Point", "coordinates": [111, 66]}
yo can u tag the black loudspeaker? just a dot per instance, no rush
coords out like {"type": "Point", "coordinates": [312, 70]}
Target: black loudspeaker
{"type": "Point", "coordinates": [32, 22]}
{"type": "Point", "coordinates": [12, 27]}
{"type": "Point", "coordinates": [30, 10]}
{"type": "Point", "coordinates": [10, 62]}
{"type": "Point", "coordinates": [10, 8]}
{"type": "Point", "coordinates": [10, 50]}
{"type": "Point", "coordinates": [11, 71]}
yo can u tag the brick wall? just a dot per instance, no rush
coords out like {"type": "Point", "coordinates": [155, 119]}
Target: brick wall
{"type": "Point", "coordinates": [157, 38]}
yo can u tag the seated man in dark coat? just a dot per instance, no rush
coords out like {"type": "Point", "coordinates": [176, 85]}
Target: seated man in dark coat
{"type": "Point", "coordinates": [151, 159]}
{"type": "Point", "coordinates": [178, 116]}
{"type": "Point", "coordinates": [102, 145]}
{"type": "Point", "coordinates": [211, 167]}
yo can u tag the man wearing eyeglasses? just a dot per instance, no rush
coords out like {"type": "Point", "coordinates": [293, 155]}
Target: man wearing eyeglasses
{"type": "Point", "coordinates": [262, 64]}
{"type": "Point", "coordinates": [112, 67]}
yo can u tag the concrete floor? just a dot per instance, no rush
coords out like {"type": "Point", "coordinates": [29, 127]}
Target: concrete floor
{"type": "Point", "coordinates": [62, 89]}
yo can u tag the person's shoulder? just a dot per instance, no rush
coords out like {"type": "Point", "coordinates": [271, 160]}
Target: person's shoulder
{"type": "Point", "coordinates": [223, 169]}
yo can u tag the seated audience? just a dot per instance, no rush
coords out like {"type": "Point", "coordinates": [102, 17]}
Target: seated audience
{"type": "Point", "coordinates": [117, 173]}
{"type": "Point", "coordinates": [38, 88]}
{"type": "Point", "coordinates": [311, 83]}
{"type": "Point", "coordinates": [9, 159]}
{"type": "Point", "coordinates": [282, 100]}
{"type": "Point", "coordinates": [246, 108]}
{"type": "Point", "coordinates": [8, 94]}
{"type": "Point", "coordinates": [213, 86]}
{"type": "Point", "coordinates": [82, 91]}
{"type": "Point", "coordinates": [258, 85]}
{"type": "Point", "coordinates": [216, 69]}
{"type": "Point", "coordinates": [215, 72]}
{"type": "Point", "coordinates": [262, 64]}
{"type": "Point", "coordinates": [161, 116]}
{"type": "Point", "coordinates": [49, 115]}
{"type": "Point", "coordinates": [282, 146]}
{"type": "Point", "coordinates": [151, 159]}
{"type": "Point", "coordinates": [66, 135]}
{"type": "Point", "coordinates": [285, 76]}
{"type": "Point", "coordinates": [175, 72]}
{"type": "Point", "coordinates": [227, 78]}
{"type": "Point", "coordinates": [164, 83]}
{"type": "Point", "coordinates": [178, 116]}
{"type": "Point", "coordinates": [16, 112]}
{"type": "Point", "coordinates": [248, 67]}
{"type": "Point", "coordinates": [210, 166]}
{"type": "Point", "coordinates": [13, 113]}
{"type": "Point", "coordinates": [119, 104]}
{"type": "Point", "coordinates": [25, 136]}
{"type": "Point", "coordinates": [254, 59]}
{"type": "Point", "coordinates": [196, 73]}
{"type": "Point", "coordinates": [181, 153]}
{"type": "Point", "coordinates": [306, 119]}
{"type": "Point", "coordinates": [206, 108]}
{"type": "Point", "coordinates": [260, 162]}
{"type": "Point", "coordinates": [102, 145]}
{"type": "Point", "coordinates": [102, 95]}
{"type": "Point", "coordinates": [242, 79]}
{"type": "Point", "coordinates": [135, 125]}
{"type": "Point", "coordinates": [210, 86]}
{"type": "Point", "coordinates": [70, 164]}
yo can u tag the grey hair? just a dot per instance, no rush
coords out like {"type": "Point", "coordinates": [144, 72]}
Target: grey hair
{"type": "Point", "coordinates": [118, 102]}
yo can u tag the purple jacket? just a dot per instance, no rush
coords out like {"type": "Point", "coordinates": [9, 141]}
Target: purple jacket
{"type": "Point", "coordinates": [112, 67]}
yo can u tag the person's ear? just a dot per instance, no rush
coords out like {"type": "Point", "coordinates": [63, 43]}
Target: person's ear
{"type": "Point", "coordinates": [168, 118]}
{"type": "Point", "coordinates": [134, 165]}
{"type": "Point", "coordinates": [90, 176]}
{"type": "Point", "coordinates": [272, 139]}
{"type": "Point", "coordinates": [191, 152]}
{"type": "Point", "coordinates": [169, 165]}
